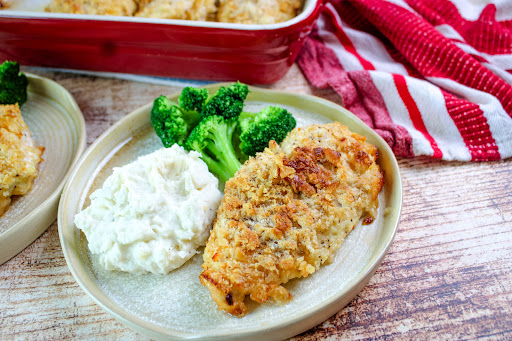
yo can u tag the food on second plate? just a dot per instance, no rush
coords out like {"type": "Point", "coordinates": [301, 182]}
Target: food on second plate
{"type": "Point", "coordinates": [229, 11]}
{"type": "Point", "coordinates": [203, 10]}
{"type": "Point", "coordinates": [286, 211]}
{"type": "Point", "coordinates": [257, 11]}
{"type": "Point", "coordinates": [19, 155]}
{"type": "Point", "coordinates": [217, 127]}
{"type": "Point", "coordinates": [152, 214]}
{"type": "Point", "coordinates": [13, 84]}
{"type": "Point", "coordinates": [102, 7]}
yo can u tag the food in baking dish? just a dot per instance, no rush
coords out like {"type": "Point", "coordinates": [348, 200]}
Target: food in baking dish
{"type": "Point", "coordinates": [110, 7]}
{"type": "Point", "coordinates": [286, 211]}
{"type": "Point", "coordinates": [229, 11]}
{"type": "Point", "coordinates": [257, 11]}
{"type": "Point", "coordinates": [19, 156]}
{"type": "Point", "coordinates": [202, 10]}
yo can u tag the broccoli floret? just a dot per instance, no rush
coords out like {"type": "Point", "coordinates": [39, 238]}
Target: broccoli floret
{"type": "Point", "coordinates": [171, 122]}
{"type": "Point", "coordinates": [213, 137]}
{"type": "Point", "coordinates": [228, 102]}
{"type": "Point", "coordinates": [193, 99]}
{"type": "Point", "coordinates": [257, 129]}
{"type": "Point", "coordinates": [204, 123]}
{"type": "Point", "coordinates": [13, 84]}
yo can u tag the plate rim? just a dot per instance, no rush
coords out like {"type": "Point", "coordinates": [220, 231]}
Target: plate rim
{"type": "Point", "coordinates": [11, 234]}
{"type": "Point", "coordinates": [350, 290]}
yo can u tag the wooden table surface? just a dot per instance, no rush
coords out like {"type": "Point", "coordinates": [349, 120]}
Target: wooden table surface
{"type": "Point", "coordinates": [448, 274]}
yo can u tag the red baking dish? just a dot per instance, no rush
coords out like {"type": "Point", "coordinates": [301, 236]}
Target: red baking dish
{"type": "Point", "coordinates": [257, 54]}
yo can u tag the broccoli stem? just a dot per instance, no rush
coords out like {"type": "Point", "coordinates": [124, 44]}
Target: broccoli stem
{"type": "Point", "coordinates": [221, 146]}
{"type": "Point", "coordinates": [215, 167]}
{"type": "Point", "coordinates": [192, 118]}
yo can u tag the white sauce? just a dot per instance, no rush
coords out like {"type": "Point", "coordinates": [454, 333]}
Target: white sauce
{"type": "Point", "coordinates": [152, 214]}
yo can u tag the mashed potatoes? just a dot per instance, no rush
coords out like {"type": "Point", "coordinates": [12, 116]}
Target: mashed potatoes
{"type": "Point", "coordinates": [152, 214]}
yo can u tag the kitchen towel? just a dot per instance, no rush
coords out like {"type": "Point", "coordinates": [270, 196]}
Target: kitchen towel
{"type": "Point", "coordinates": [432, 77]}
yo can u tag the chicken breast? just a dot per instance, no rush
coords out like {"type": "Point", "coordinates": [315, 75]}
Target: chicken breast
{"type": "Point", "coordinates": [6, 4]}
{"type": "Point", "coordinates": [19, 156]}
{"type": "Point", "coordinates": [231, 11]}
{"type": "Point", "coordinates": [201, 10]}
{"type": "Point", "coordinates": [257, 11]}
{"type": "Point", "coordinates": [286, 211]}
{"type": "Point", "coordinates": [98, 7]}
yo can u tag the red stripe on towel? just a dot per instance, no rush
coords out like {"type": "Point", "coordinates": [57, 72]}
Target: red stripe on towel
{"type": "Point", "coordinates": [473, 127]}
{"type": "Point", "coordinates": [414, 113]}
{"type": "Point", "coordinates": [345, 40]}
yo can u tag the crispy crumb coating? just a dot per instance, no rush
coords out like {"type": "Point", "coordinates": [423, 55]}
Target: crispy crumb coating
{"type": "Point", "coordinates": [6, 4]}
{"type": "Point", "coordinates": [286, 211]}
{"type": "Point", "coordinates": [257, 11]}
{"type": "Point", "coordinates": [19, 156]}
{"type": "Point", "coordinates": [202, 10]}
{"type": "Point", "coordinates": [100, 7]}
{"type": "Point", "coordinates": [230, 11]}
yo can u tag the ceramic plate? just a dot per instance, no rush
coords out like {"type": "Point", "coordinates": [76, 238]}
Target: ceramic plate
{"type": "Point", "coordinates": [57, 124]}
{"type": "Point", "coordinates": [177, 306]}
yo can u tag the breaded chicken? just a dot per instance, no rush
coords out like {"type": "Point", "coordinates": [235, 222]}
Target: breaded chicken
{"type": "Point", "coordinates": [100, 7]}
{"type": "Point", "coordinates": [286, 211]}
{"type": "Point", "coordinates": [6, 4]}
{"type": "Point", "coordinates": [257, 11]}
{"type": "Point", "coordinates": [231, 11]}
{"type": "Point", "coordinates": [201, 10]}
{"type": "Point", "coordinates": [19, 156]}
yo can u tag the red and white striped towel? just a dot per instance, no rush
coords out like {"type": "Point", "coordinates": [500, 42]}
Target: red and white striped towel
{"type": "Point", "coordinates": [432, 77]}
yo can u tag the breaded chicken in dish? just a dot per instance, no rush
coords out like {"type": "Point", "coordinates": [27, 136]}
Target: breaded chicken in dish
{"type": "Point", "coordinates": [230, 11]}
{"type": "Point", "coordinates": [19, 156]}
{"type": "Point", "coordinates": [257, 11]}
{"type": "Point", "coordinates": [100, 7]}
{"type": "Point", "coordinates": [202, 10]}
{"type": "Point", "coordinates": [286, 211]}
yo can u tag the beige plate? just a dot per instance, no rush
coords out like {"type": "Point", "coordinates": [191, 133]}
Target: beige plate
{"type": "Point", "coordinates": [57, 124]}
{"type": "Point", "coordinates": [177, 306]}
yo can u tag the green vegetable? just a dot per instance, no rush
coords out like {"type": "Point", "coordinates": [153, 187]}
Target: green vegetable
{"type": "Point", "coordinates": [13, 84]}
{"type": "Point", "coordinates": [257, 129]}
{"type": "Point", "coordinates": [217, 127]}
{"type": "Point", "coordinates": [213, 137]}
{"type": "Point", "coordinates": [193, 99]}
{"type": "Point", "coordinates": [173, 123]}
{"type": "Point", "coordinates": [228, 102]}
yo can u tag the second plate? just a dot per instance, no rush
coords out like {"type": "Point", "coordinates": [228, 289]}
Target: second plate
{"type": "Point", "coordinates": [57, 124]}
